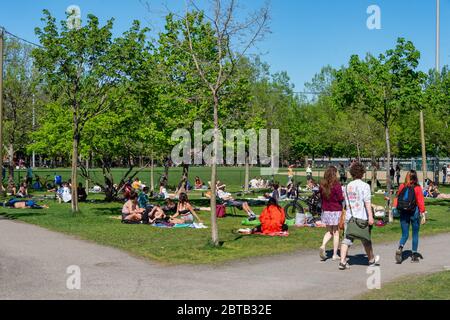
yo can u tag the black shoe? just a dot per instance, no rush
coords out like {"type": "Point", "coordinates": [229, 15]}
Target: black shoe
{"type": "Point", "coordinates": [399, 255]}
{"type": "Point", "coordinates": [416, 257]}
{"type": "Point", "coordinates": [343, 266]}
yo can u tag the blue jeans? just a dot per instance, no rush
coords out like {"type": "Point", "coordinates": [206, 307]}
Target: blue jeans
{"type": "Point", "coordinates": [406, 220]}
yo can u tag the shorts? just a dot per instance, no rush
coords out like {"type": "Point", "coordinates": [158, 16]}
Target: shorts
{"type": "Point", "coordinates": [188, 218]}
{"type": "Point", "coordinates": [238, 204]}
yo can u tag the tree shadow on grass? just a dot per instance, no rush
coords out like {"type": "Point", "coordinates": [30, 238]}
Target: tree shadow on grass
{"type": "Point", "coordinates": [107, 211]}
{"type": "Point", "coordinates": [440, 202]}
{"type": "Point", "coordinates": [21, 214]}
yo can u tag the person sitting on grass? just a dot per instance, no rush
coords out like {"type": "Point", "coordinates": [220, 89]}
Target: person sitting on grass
{"type": "Point", "coordinates": [170, 207]}
{"type": "Point", "coordinates": [24, 204]}
{"type": "Point", "coordinates": [136, 185]}
{"type": "Point", "coordinates": [23, 191]}
{"type": "Point", "coordinates": [64, 194]}
{"type": "Point", "coordinates": [131, 212]}
{"type": "Point", "coordinates": [185, 212]}
{"type": "Point", "coordinates": [199, 184]}
{"type": "Point", "coordinates": [82, 195]}
{"type": "Point", "coordinates": [143, 198]}
{"type": "Point", "coordinates": [228, 200]}
{"type": "Point", "coordinates": [163, 194]}
{"type": "Point", "coordinates": [157, 214]}
{"type": "Point", "coordinates": [273, 219]}
{"type": "Point", "coordinates": [433, 192]}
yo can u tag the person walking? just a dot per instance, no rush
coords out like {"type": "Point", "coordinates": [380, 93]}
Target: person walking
{"type": "Point", "coordinates": [332, 198]}
{"type": "Point", "coordinates": [392, 174]}
{"type": "Point", "coordinates": [444, 174]}
{"type": "Point", "coordinates": [309, 173]}
{"type": "Point", "coordinates": [359, 217]}
{"type": "Point", "coordinates": [411, 205]}
{"type": "Point", "coordinates": [398, 174]}
{"type": "Point", "coordinates": [342, 174]}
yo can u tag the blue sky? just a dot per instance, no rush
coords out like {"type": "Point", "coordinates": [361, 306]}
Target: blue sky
{"type": "Point", "coordinates": [306, 34]}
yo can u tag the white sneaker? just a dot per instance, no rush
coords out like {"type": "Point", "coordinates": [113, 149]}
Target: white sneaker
{"type": "Point", "coordinates": [336, 258]}
{"type": "Point", "coordinates": [375, 262]}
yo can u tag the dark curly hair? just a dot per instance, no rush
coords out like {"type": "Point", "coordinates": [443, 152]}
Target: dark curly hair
{"type": "Point", "coordinates": [357, 170]}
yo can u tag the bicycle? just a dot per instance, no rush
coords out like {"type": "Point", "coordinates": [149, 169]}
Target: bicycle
{"type": "Point", "coordinates": [299, 203]}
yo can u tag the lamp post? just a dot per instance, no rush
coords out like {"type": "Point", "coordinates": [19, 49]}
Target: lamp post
{"type": "Point", "coordinates": [422, 122]}
{"type": "Point", "coordinates": [1, 106]}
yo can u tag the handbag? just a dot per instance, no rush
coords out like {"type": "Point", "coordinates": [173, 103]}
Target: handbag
{"type": "Point", "coordinates": [358, 228]}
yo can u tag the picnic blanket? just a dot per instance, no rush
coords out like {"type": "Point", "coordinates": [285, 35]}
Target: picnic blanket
{"type": "Point", "coordinates": [256, 223]}
{"type": "Point", "coordinates": [275, 234]}
{"type": "Point", "coordinates": [180, 226]}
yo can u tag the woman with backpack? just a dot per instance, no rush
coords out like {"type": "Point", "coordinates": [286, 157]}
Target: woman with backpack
{"type": "Point", "coordinates": [410, 204]}
{"type": "Point", "coordinates": [332, 198]}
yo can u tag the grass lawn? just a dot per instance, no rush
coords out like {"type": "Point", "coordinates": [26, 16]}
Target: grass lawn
{"type": "Point", "coordinates": [429, 287]}
{"type": "Point", "coordinates": [187, 246]}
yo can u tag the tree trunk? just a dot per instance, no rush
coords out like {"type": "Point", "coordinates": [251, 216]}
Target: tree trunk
{"type": "Point", "coordinates": [165, 177]}
{"type": "Point", "coordinates": [213, 202]}
{"type": "Point", "coordinates": [388, 169]}
{"type": "Point", "coordinates": [374, 173]}
{"type": "Point", "coordinates": [247, 173]}
{"type": "Point", "coordinates": [152, 175]}
{"type": "Point", "coordinates": [11, 181]}
{"type": "Point", "coordinates": [182, 187]}
{"type": "Point", "coordinates": [76, 142]}
{"type": "Point", "coordinates": [359, 152]}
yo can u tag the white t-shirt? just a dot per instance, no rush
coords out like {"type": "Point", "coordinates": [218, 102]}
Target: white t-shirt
{"type": "Point", "coordinates": [66, 195]}
{"type": "Point", "coordinates": [308, 170]}
{"type": "Point", "coordinates": [222, 194]}
{"type": "Point", "coordinates": [358, 194]}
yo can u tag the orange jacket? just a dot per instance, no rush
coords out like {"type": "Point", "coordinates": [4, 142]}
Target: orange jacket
{"type": "Point", "coordinates": [272, 219]}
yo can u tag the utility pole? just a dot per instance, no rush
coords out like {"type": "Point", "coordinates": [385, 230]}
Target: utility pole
{"type": "Point", "coordinates": [438, 70]}
{"type": "Point", "coordinates": [33, 165]}
{"type": "Point", "coordinates": [1, 105]}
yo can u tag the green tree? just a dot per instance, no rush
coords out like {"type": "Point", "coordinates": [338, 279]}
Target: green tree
{"type": "Point", "coordinates": [383, 87]}
{"type": "Point", "coordinates": [212, 42]}
{"type": "Point", "coordinates": [19, 89]}
{"type": "Point", "coordinates": [80, 68]}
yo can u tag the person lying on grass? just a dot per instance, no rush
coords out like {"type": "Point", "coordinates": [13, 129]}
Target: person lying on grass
{"type": "Point", "coordinates": [131, 210]}
{"type": "Point", "coordinates": [24, 204]}
{"type": "Point", "coordinates": [273, 219]}
{"type": "Point", "coordinates": [185, 212]}
{"type": "Point", "coordinates": [433, 192]}
{"type": "Point", "coordinates": [228, 200]}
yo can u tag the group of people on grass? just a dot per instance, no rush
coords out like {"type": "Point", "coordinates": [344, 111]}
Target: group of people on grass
{"type": "Point", "coordinates": [432, 191]}
{"type": "Point", "coordinates": [137, 209]}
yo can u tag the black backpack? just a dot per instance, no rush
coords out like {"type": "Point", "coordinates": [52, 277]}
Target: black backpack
{"type": "Point", "coordinates": [407, 200]}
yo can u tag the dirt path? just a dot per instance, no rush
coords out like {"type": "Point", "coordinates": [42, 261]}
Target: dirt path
{"type": "Point", "coordinates": [34, 262]}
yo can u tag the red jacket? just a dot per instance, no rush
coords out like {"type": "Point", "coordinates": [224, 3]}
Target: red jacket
{"type": "Point", "coordinates": [420, 200]}
{"type": "Point", "coordinates": [272, 219]}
